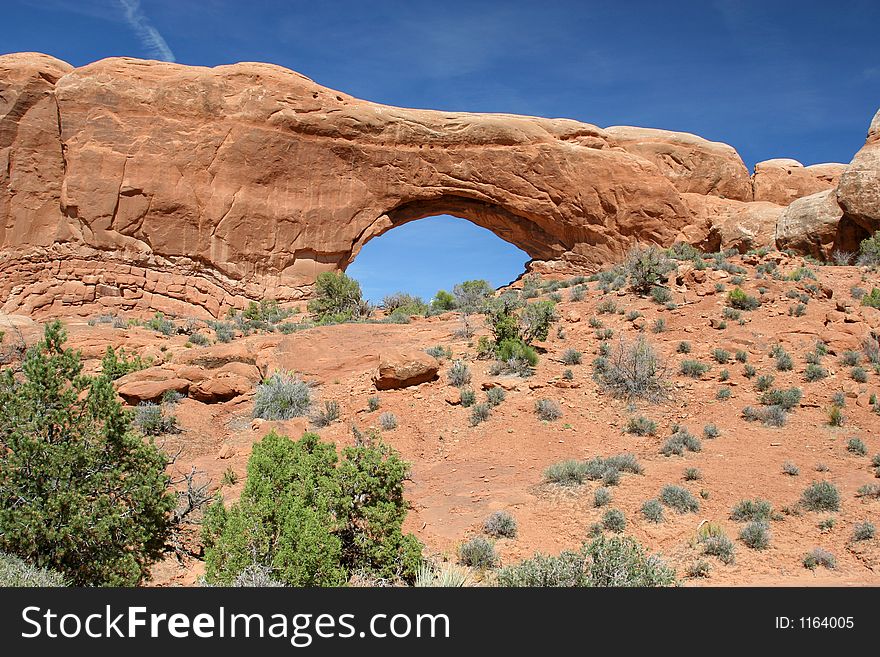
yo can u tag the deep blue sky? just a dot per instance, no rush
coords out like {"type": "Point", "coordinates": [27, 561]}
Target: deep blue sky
{"type": "Point", "coordinates": [794, 79]}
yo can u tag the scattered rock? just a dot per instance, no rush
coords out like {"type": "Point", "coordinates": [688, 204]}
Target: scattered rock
{"type": "Point", "coordinates": [401, 369]}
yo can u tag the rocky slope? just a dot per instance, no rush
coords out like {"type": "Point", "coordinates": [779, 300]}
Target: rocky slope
{"type": "Point", "coordinates": [129, 184]}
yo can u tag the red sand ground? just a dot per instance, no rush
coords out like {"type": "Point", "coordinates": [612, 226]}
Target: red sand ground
{"type": "Point", "coordinates": [460, 474]}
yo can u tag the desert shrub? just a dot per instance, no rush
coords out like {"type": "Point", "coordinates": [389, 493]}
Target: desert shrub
{"type": "Point", "coordinates": [577, 293]}
{"type": "Point", "coordinates": [568, 375]}
{"type": "Point", "coordinates": [710, 431]}
{"type": "Point", "coordinates": [756, 535]}
{"type": "Point", "coordinates": [97, 503]}
{"type": "Point", "coordinates": [738, 299]}
{"type": "Point", "coordinates": [223, 331]}
{"type": "Point", "coordinates": [459, 374]}
{"type": "Point", "coordinates": [800, 273]}
{"type": "Point", "coordinates": [819, 557]}
{"type": "Point", "coordinates": [337, 298]}
{"type": "Point", "coordinates": [859, 374]}
{"type": "Point", "coordinates": [787, 399]}
{"type": "Point", "coordinates": [723, 394]}
{"type": "Point", "coordinates": [633, 371]}
{"type": "Point", "coordinates": [478, 553]}
{"type": "Point", "coordinates": [641, 426]}
{"type": "Point", "coordinates": [660, 295]}
{"type": "Point", "coordinates": [282, 396]}
{"type": "Point", "coordinates": [869, 251]}
{"type": "Point", "coordinates": [633, 315]}
{"type": "Point", "coordinates": [494, 396]}
{"type": "Point", "coordinates": [821, 496]}
{"type": "Point", "coordinates": [624, 462]}
{"type": "Point", "coordinates": [723, 375]}
{"type": "Point", "coordinates": [442, 302]}
{"type": "Point", "coordinates": [327, 414]}
{"type": "Point", "coordinates": [771, 416]}
{"type": "Point", "coordinates": [312, 517]}
{"type": "Point", "coordinates": [601, 497]}
{"type": "Point", "coordinates": [439, 352]}
{"type": "Point", "coordinates": [872, 299]}
{"type": "Point", "coordinates": [721, 356]}
{"type": "Point", "coordinates": [471, 296]}
{"type": "Point", "coordinates": [606, 306]}
{"type": "Point", "coordinates": [838, 399]}
{"type": "Point", "coordinates": [679, 499]}
{"type": "Point", "coordinates": [199, 339]}
{"type": "Point", "coordinates": [445, 575]}
{"type": "Point", "coordinates": [784, 361]}
{"type": "Point", "coordinates": [764, 382]}
{"type": "Point", "coordinates": [864, 531]}
{"type": "Point", "coordinates": [613, 520]}
{"type": "Point", "coordinates": [388, 421]}
{"type": "Point", "coordinates": [567, 569]}
{"type": "Point", "coordinates": [749, 371]}
{"type": "Point", "coordinates": [467, 396]}
{"type": "Point", "coordinates": [516, 354]}
{"type": "Point", "coordinates": [500, 524]}
{"type": "Point", "coordinates": [405, 303]}
{"type": "Point", "coordinates": [718, 545]}
{"type": "Point", "coordinates": [373, 403]}
{"type": "Point", "coordinates": [680, 441]}
{"type": "Point", "coordinates": [836, 418]}
{"type": "Point", "coordinates": [856, 446]}
{"type": "Point", "coordinates": [746, 510]}
{"type": "Point", "coordinates": [851, 358]}
{"type": "Point", "coordinates": [790, 469]}
{"type": "Point", "coordinates": [692, 474]}
{"type": "Point", "coordinates": [151, 420]}
{"type": "Point", "coordinates": [652, 510]}
{"type": "Point", "coordinates": [114, 366]}
{"type": "Point", "coordinates": [16, 573]}
{"type": "Point", "coordinates": [570, 472]}
{"type": "Point", "coordinates": [480, 413]}
{"type": "Point", "coordinates": [693, 368]}
{"type": "Point", "coordinates": [647, 267]}
{"type": "Point", "coordinates": [622, 561]}
{"type": "Point", "coordinates": [683, 347]}
{"type": "Point", "coordinates": [159, 324]}
{"type": "Point", "coordinates": [815, 373]}
{"type": "Point", "coordinates": [572, 357]}
{"type": "Point", "coordinates": [547, 409]}
{"type": "Point", "coordinates": [730, 313]}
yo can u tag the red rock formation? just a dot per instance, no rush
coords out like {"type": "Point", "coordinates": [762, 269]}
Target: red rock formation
{"type": "Point", "coordinates": [129, 184]}
{"type": "Point", "coordinates": [782, 181]}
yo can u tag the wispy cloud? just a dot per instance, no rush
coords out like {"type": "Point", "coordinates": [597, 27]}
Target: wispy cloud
{"type": "Point", "coordinates": [149, 36]}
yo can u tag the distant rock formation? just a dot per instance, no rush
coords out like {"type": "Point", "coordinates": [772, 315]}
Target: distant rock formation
{"type": "Point", "coordinates": [130, 184]}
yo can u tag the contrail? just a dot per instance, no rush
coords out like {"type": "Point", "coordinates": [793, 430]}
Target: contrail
{"type": "Point", "coordinates": [149, 35]}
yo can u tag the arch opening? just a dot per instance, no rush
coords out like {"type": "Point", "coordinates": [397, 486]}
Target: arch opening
{"type": "Point", "coordinates": [434, 253]}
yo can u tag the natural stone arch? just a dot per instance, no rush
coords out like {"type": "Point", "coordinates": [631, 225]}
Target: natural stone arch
{"type": "Point", "coordinates": [519, 231]}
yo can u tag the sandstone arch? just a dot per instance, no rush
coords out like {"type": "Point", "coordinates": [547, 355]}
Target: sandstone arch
{"type": "Point", "coordinates": [147, 185]}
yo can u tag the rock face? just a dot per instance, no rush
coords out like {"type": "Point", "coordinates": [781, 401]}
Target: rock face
{"type": "Point", "coordinates": [733, 224]}
{"type": "Point", "coordinates": [858, 192]}
{"type": "Point", "coordinates": [782, 181]}
{"type": "Point", "coordinates": [810, 224]}
{"type": "Point", "coordinates": [128, 184]}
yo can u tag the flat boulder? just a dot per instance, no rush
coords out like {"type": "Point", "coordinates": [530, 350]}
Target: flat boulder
{"type": "Point", "coordinates": [150, 385]}
{"type": "Point", "coordinates": [220, 388]}
{"type": "Point", "coordinates": [401, 369]}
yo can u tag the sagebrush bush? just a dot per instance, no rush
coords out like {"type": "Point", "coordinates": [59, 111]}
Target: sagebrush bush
{"type": "Point", "coordinates": [613, 520]}
{"type": "Point", "coordinates": [570, 472]}
{"type": "Point", "coordinates": [152, 420]}
{"type": "Point", "coordinates": [721, 356]}
{"type": "Point", "coordinates": [756, 509]}
{"type": "Point", "coordinates": [679, 499]}
{"type": "Point", "coordinates": [693, 368]}
{"type": "Point", "coordinates": [683, 347]}
{"type": "Point", "coordinates": [494, 396]}
{"type": "Point", "coordinates": [819, 557]}
{"type": "Point", "coordinates": [756, 535]}
{"type": "Point", "coordinates": [856, 446]}
{"type": "Point", "coordinates": [548, 410]}
{"type": "Point", "coordinates": [710, 431]}
{"type": "Point", "coordinates": [815, 372]}
{"type": "Point", "coordinates": [478, 553]}
{"type": "Point", "coordinates": [500, 524]}
{"type": "Point", "coordinates": [660, 295]}
{"type": "Point", "coordinates": [572, 357]}
{"type": "Point", "coordinates": [282, 396]}
{"type": "Point", "coordinates": [467, 397]}
{"type": "Point", "coordinates": [327, 414]}
{"type": "Point", "coordinates": [601, 497]}
{"type": "Point", "coordinates": [821, 496]}
{"type": "Point", "coordinates": [679, 442]}
{"type": "Point", "coordinates": [312, 517]}
{"type": "Point", "coordinates": [641, 426]}
{"type": "Point", "coordinates": [790, 469]}
{"type": "Point", "coordinates": [633, 371]}
{"type": "Point", "coordinates": [771, 416]}
{"type": "Point", "coordinates": [719, 545]}
{"type": "Point", "coordinates": [692, 474]}
{"type": "Point", "coordinates": [647, 267]}
{"type": "Point", "coordinates": [459, 374]}
{"type": "Point", "coordinates": [738, 299]}
{"type": "Point", "coordinates": [864, 531]}
{"type": "Point", "coordinates": [787, 399]}
{"type": "Point", "coordinates": [373, 403]}
{"type": "Point", "coordinates": [653, 511]}
{"type": "Point", "coordinates": [16, 573]}
{"type": "Point", "coordinates": [444, 575]}
{"type": "Point", "coordinates": [388, 421]}
{"type": "Point", "coordinates": [480, 413]}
